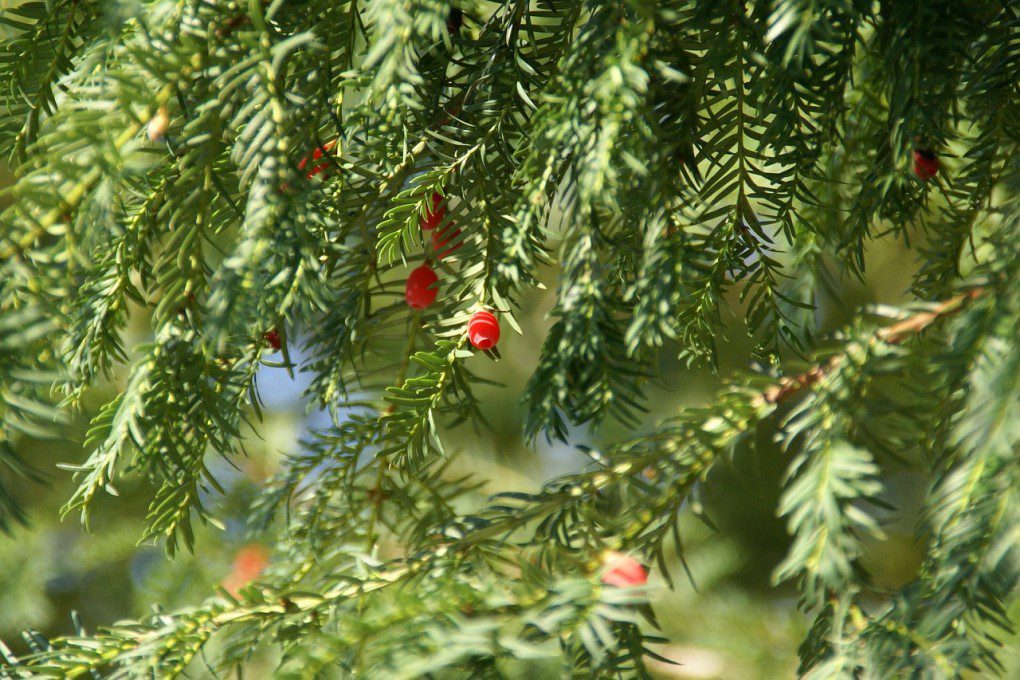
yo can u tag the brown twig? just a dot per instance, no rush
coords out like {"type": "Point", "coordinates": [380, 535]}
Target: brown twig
{"type": "Point", "coordinates": [893, 334]}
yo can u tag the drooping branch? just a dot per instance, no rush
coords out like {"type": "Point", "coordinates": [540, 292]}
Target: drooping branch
{"type": "Point", "coordinates": [894, 334]}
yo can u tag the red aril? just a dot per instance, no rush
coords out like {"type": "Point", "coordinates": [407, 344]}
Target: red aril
{"type": "Point", "coordinates": [483, 330]}
{"type": "Point", "coordinates": [420, 290]}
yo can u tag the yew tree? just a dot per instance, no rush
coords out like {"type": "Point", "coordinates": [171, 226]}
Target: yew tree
{"type": "Point", "coordinates": [364, 192]}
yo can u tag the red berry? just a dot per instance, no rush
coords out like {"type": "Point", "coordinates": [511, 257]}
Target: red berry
{"type": "Point", "coordinates": [316, 155]}
{"type": "Point", "coordinates": [248, 564]}
{"type": "Point", "coordinates": [442, 237]}
{"type": "Point", "coordinates": [434, 216]}
{"type": "Point", "coordinates": [926, 164]}
{"type": "Point", "coordinates": [623, 571]}
{"type": "Point", "coordinates": [273, 338]}
{"type": "Point", "coordinates": [421, 289]}
{"type": "Point", "coordinates": [251, 560]}
{"type": "Point", "coordinates": [483, 330]}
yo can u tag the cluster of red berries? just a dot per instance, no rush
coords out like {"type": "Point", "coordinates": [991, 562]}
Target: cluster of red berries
{"type": "Point", "coordinates": [421, 288]}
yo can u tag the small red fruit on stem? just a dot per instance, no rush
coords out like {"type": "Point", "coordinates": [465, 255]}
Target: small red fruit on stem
{"type": "Point", "coordinates": [623, 571]}
{"type": "Point", "coordinates": [926, 164]}
{"type": "Point", "coordinates": [248, 564]}
{"type": "Point", "coordinates": [272, 337]}
{"type": "Point", "coordinates": [434, 215]}
{"type": "Point", "coordinates": [316, 155]}
{"type": "Point", "coordinates": [421, 290]}
{"type": "Point", "coordinates": [440, 239]}
{"type": "Point", "coordinates": [483, 330]}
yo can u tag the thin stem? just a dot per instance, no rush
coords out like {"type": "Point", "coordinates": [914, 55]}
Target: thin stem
{"type": "Point", "coordinates": [893, 334]}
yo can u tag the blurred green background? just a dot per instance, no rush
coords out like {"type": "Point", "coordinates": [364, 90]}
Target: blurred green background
{"type": "Point", "coordinates": [733, 624]}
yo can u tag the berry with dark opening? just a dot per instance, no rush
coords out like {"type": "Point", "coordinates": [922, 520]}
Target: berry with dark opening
{"type": "Point", "coordinates": [926, 164]}
{"type": "Point", "coordinates": [483, 330]}
{"type": "Point", "coordinates": [272, 337]}
{"type": "Point", "coordinates": [421, 289]}
{"type": "Point", "coordinates": [316, 155]}
{"type": "Point", "coordinates": [434, 216]}
{"type": "Point", "coordinates": [440, 239]}
{"type": "Point", "coordinates": [623, 571]}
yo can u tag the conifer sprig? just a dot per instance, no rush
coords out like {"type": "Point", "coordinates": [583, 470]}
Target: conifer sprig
{"type": "Point", "coordinates": [676, 162]}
